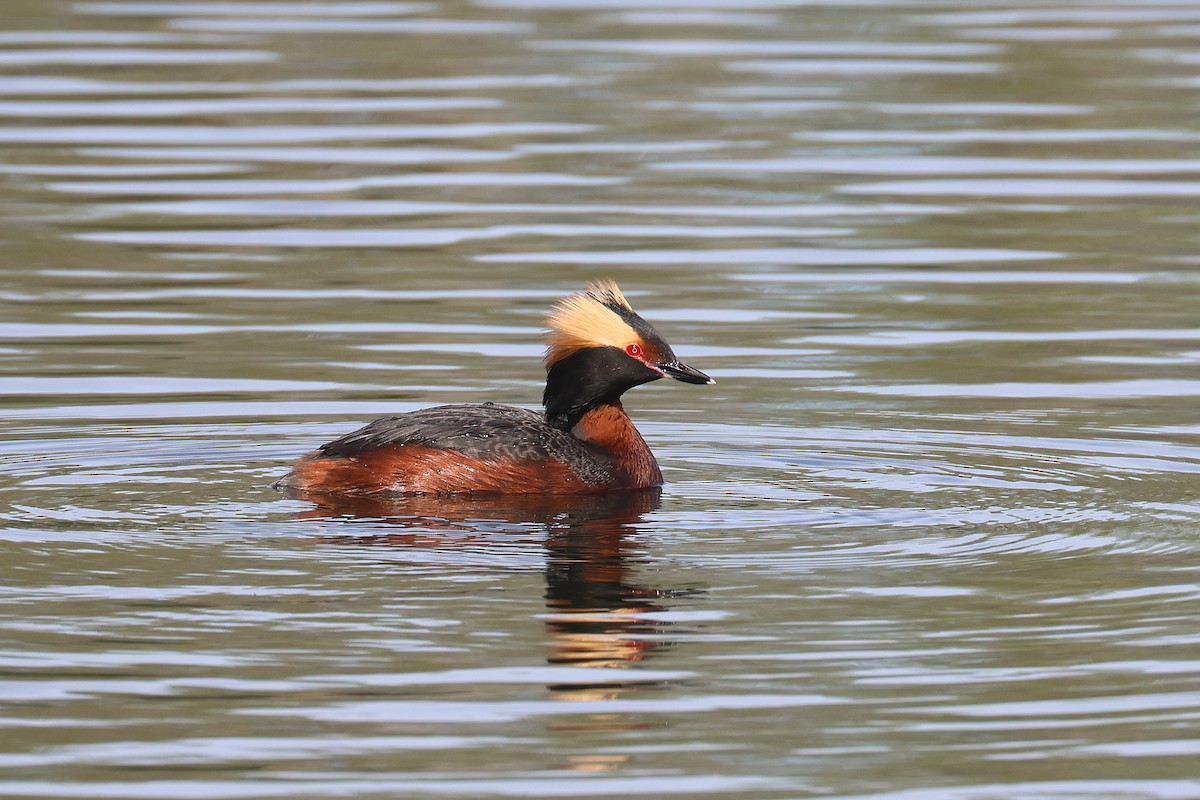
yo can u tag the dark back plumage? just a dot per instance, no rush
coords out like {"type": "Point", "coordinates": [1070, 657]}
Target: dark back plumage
{"type": "Point", "coordinates": [489, 432]}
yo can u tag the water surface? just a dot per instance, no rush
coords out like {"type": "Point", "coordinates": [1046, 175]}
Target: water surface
{"type": "Point", "coordinates": [932, 534]}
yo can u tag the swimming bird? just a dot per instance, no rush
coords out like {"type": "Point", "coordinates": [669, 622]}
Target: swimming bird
{"type": "Point", "coordinates": [597, 348]}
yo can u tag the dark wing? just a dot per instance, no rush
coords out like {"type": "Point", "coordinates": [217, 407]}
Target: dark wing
{"type": "Point", "coordinates": [487, 432]}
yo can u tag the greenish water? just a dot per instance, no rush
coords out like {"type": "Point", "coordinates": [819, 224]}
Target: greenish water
{"type": "Point", "coordinates": [933, 534]}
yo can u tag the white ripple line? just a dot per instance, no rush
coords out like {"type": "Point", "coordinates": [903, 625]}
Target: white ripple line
{"type": "Point", "coordinates": [155, 8]}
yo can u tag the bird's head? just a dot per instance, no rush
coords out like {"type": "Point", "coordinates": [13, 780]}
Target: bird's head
{"type": "Point", "coordinates": [597, 347]}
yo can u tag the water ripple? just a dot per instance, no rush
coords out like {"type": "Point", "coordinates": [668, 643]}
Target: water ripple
{"type": "Point", "coordinates": [257, 105]}
{"type": "Point", "coordinates": [254, 186]}
{"type": "Point", "coordinates": [71, 85]}
{"type": "Point", "coordinates": [932, 534]}
{"type": "Point", "coordinates": [863, 66]}
{"type": "Point", "coordinates": [761, 47]}
{"type": "Point", "coordinates": [308, 155]}
{"type": "Point", "coordinates": [352, 8]}
{"type": "Point", "coordinates": [784, 255]}
{"type": "Point", "coordinates": [939, 165]}
{"type": "Point", "coordinates": [415, 237]}
{"type": "Point", "coordinates": [416, 27]}
{"type": "Point", "coordinates": [1031, 187]}
{"type": "Point", "coordinates": [280, 134]}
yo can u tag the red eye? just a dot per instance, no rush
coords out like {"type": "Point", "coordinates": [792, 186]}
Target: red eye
{"type": "Point", "coordinates": [634, 350]}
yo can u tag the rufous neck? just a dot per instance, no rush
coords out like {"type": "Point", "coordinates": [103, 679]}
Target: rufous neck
{"type": "Point", "coordinates": [609, 428]}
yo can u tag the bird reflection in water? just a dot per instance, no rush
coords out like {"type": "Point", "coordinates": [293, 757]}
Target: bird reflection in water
{"type": "Point", "coordinates": [598, 614]}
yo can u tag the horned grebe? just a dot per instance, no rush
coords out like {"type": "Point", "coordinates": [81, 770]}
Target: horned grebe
{"type": "Point", "coordinates": [597, 349]}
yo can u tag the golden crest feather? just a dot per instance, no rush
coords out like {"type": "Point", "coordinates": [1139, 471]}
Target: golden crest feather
{"type": "Point", "coordinates": [587, 319]}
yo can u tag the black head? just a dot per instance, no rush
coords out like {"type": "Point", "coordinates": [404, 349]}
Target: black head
{"type": "Point", "coordinates": [599, 348]}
